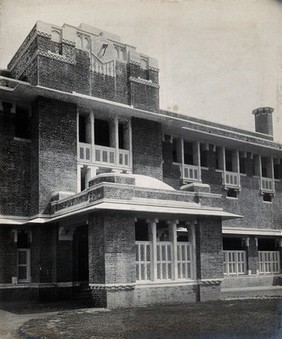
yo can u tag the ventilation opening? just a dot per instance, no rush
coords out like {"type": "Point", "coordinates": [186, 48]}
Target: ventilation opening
{"type": "Point", "coordinates": [267, 197]}
{"type": "Point", "coordinates": [232, 193]}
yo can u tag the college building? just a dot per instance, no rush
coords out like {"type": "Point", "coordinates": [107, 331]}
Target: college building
{"type": "Point", "coordinates": [105, 196]}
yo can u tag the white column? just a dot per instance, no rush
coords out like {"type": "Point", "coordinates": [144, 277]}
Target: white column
{"type": "Point", "coordinates": [182, 156]}
{"type": "Point", "coordinates": [260, 170]}
{"type": "Point", "coordinates": [199, 161]}
{"type": "Point", "coordinates": [130, 143]}
{"type": "Point", "coordinates": [92, 133]}
{"type": "Point", "coordinates": [77, 132]}
{"type": "Point", "coordinates": [173, 235]}
{"type": "Point", "coordinates": [238, 167]}
{"type": "Point", "coordinates": [116, 141]}
{"type": "Point", "coordinates": [153, 238]}
{"type": "Point", "coordinates": [223, 165]}
{"type": "Point", "coordinates": [272, 173]}
{"type": "Point", "coordinates": [191, 230]}
{"type": "Point", "coordinates": [78, 186]}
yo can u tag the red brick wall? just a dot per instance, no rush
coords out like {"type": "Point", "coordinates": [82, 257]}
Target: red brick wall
{"type": "Point", "coordinates": [171, 173]}
{"type": "Point", "coordinates": [57, 150]}
{"type": "Point", "coordinates": [111, 248]}
{"type": "Point", "coordinates": [73, 74]}
{"type": "Point", "coordinates": [209, 248]}
{"type": "Point", "coordinates": [14, 169]}
{"type": "Point", "coordinates": [147, 148]}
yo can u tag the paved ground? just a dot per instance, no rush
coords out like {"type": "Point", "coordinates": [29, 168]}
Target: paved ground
{"type": "Point", "coordinates": [246, 318]}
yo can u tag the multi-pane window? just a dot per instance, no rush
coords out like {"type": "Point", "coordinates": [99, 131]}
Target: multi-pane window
{"type": "Point", "coordinates": [23, 264]}
{"type": "Point", "coordinates": [23, 255]}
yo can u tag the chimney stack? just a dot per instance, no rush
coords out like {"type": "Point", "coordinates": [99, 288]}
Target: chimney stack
{"type": "Point", "coordinates": [263, 120]}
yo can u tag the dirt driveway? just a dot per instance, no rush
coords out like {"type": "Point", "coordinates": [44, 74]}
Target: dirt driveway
{"type": "Point", "coordinates": [10, 322]}
{"type": "Point", "coordinates": [248, 318]}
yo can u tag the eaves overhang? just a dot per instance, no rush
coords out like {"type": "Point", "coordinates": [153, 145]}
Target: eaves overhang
{"type": "Point", "coordinates": [157, 208]}
{"type": "Point", "coordinates": [244, 231]}
{"type": "Point", "coordinates": [253, 142]}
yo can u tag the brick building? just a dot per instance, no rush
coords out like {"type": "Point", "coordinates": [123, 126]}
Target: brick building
{"type": "Point", "coordinates": [104, 194]}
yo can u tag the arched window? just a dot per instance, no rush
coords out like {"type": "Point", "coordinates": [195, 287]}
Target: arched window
{"type": "Point", "coordinates": [144, 63]}
{"type": "Point", "coordinates": [86, 43]}
{"type": "Point", "coordinates": [56, 35]}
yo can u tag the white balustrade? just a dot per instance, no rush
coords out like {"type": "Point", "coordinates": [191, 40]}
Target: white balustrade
{"type": "Point", "coordinates": [143, 260]}
{"type": "Point", "coordinates": [85, 152]}
{"type": "Point", "coordinates": [164, 260]}
{"type": "Point", "coordinates": [267, 184]}
{"type": "Point", "coordinates": [234, 262]}
{"type": "Point", "coordinates": [231, 179]}
{"type": "Point", "coordinates": [269, 262]}
{"type": "Point", "coordinates": [102, 155]}
{"type": "Point", "coordinates": [190, 172]}
{"type": "Point", "coordinates": [184, 261]}
{"type": "Point", "coordinates": [123, 158]}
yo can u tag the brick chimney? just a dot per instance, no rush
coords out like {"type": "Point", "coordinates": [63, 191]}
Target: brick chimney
{"type": "Point", "coordinates": [263, 120]}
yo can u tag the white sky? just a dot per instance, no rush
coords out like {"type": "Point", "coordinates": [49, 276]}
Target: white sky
{"type": "Point", "coordinates": [218, 59]}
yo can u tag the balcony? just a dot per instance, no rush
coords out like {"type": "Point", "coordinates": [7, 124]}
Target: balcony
{"type": "Point", "coordinates": [231, 179]}
{"type": "Point", "coordinates": [267, 185]}
{"type": "Point", "coordinates": [189, 172]}
{"type": "Point", "coordinates": [102, 155]}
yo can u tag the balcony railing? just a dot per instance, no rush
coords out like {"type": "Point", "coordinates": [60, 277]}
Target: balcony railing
{"type": "Point", "coordinates": [85, 152]}
{"type": "Point", "coordinates": [164, 263]}
{"type": "Point", "coordinates": [234, 262]}
{"type": "Point", "coordinates": [231, 179]}
{"type": "Point", "coordinates": [184, 260]}
{"type": "Point", "coordinates": [164, 260]}
{"type": "Point", "coordinates": [190, 172]}
{"type": "Point", "coordinates": [143, 260]}
{"type": "Point", "coordinates": [269, 262]}
{"type": "Point", "coordinates": [102, 155]}
{"type": "Point", "coordinates": [267, 184]}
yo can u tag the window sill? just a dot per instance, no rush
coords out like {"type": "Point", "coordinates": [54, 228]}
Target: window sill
{"type": "Point", "coordinates": [232, 198]}
{"type": "Point", "coordinates": [165, 283]}
{"type": "Point", "coordinates": [22, 139]}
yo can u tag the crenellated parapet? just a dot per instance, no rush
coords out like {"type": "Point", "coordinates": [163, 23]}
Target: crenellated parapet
{"type": "Point", "coordinates": [87, 60]}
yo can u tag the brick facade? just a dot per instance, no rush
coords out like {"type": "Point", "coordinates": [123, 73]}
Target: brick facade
{"type": "Point", "coordinates": [105, 195]}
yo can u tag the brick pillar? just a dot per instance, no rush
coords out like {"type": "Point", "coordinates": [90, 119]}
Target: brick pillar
{"type": "Point", "coordinates": [209, 257]}
{"type": "Point", "coordinates": [252, 256]}
{"type": "Point", "coordinates": [112, 272]}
